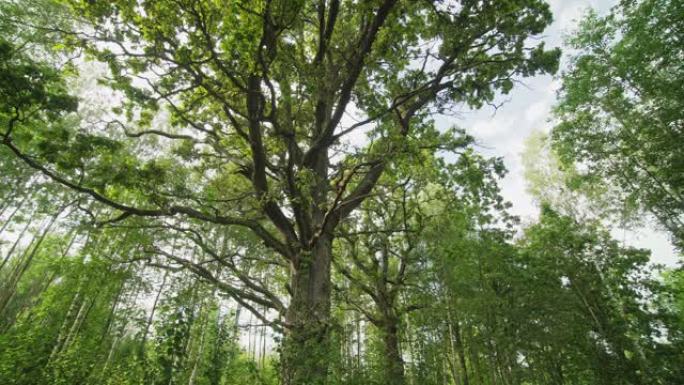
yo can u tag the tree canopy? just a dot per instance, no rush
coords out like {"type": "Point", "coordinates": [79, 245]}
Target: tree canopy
{"type": "Point", "coordinates": [233, 192]}
{"type": "Point", "coordinates": [620, 108]}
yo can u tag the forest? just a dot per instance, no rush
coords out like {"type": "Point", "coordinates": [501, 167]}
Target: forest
{"type": "Point", "coordinates": [227, 192]}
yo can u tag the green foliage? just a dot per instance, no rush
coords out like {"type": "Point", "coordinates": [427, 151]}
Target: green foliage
{"type": "Point", "coordinates": [565, 304]}
{"type": "Point", "coordinates": [216, 187]}
{"type": "Point", "coordinates": [620, 107]}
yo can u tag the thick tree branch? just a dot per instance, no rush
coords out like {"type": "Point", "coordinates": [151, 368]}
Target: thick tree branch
{"type": "Point", "coordinates": [231, 290]}
{"type": "Point", "coordinates": [365, 45]}
{"type": "Point", "coordinates": [257, 228]}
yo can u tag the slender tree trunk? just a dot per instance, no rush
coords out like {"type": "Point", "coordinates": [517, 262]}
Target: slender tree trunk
{"type": "Point", "coordinates": [451, 356]}
{"type": "Point", "coordinates": [9, 289]}
{"type": "Point", "coordinates": [236, 324]}
{"type": "Point", "coordinates": [108, 328]}
{"type": "Point", "coordinates": [262, 356]}
{"type": "Point", "coordinates": [457, 344]}
{"type": "Point", "coordinates": [15, 244]}
{"type": "Point", "coordinates": [21, 185]}
{"type": "Point", "coordinates": [200, 351]}
{"type": "Point", "coordinates": [6, 203]}
{"type": "Point", "coordinates": [110, 356]}
{"type": "Point", "coordinates": [11, 216]}
{"type": "Point", "coordinates": [62, 335]}
{"type": "Point", "coordinates": [117, 338]}
{"type": "Point", "coordinates": [150, 319]}
{"type": "Point", "coordinates": [112, 311]}
{"type": "Point", "coordinates": [81, 316]}
{"type": "Point", "coordinates": [182, 360]}
{"type": "Point", "coordinates": [250, 337]}
{"type": "Point", "coordinates": [358, 345]}
{"type": "Point", "coordinates": [306, 347]}
{"type": "Point", "coordinates": [461, 352]}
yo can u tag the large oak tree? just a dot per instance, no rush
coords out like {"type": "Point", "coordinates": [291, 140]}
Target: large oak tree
{"type": "Point", "coordinates": [238, 114]}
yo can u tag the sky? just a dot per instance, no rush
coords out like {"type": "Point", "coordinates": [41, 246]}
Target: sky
{"type": "Point", "coordinates": [502, 132]}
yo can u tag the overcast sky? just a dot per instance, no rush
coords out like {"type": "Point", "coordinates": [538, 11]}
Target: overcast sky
{"type": "Point", "coordinates": [503, 132]}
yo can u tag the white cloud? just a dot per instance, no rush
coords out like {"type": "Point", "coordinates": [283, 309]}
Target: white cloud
{"type": "Point", "coordinates": [537, 111]}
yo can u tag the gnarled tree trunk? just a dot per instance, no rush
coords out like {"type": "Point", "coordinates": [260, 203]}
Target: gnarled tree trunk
{"type": "Point", "coordinates": [394, 363]}
{"type": "Point", "coordinates": [306, 347]}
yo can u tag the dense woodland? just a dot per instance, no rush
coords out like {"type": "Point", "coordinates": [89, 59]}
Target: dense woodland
{"type": "Point", "coordinates": [181, 202]}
